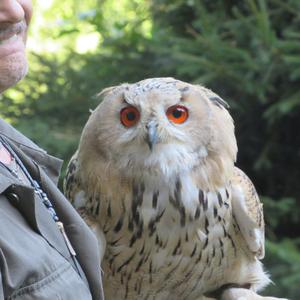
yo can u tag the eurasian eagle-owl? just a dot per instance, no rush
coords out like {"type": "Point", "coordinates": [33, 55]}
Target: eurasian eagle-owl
{"type": "Point", "coordinates": [154, 176]}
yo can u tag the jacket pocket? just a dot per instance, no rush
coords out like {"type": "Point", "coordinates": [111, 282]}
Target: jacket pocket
{"type": "Point", "coordinates": [62, 284]}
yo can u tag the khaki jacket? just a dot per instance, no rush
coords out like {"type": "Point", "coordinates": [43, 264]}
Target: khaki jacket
{"type": "Point", "coordinates": [35, 262]}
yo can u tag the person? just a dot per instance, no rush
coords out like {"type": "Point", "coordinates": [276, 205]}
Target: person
{"type": "Point", "coordinates": [46, 249]}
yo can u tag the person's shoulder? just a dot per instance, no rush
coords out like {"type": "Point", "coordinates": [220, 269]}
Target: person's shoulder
{"type": "Point", "coordinates": [49, 163]}
{"type": "Point", "coordinates": [17, 137]}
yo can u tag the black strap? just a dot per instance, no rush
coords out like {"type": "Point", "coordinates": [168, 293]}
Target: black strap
{"type": "Point", "coordinates": [35, 185]}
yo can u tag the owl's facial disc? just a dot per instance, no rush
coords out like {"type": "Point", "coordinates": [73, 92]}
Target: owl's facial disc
{"type": "Point", "coordinates": [130, 117]}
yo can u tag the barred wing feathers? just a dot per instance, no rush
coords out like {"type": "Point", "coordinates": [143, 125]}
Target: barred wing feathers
{"type": "Point", "coordinates": [248, 212]}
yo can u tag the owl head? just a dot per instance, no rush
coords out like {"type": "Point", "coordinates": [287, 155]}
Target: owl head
{"type": "Point", "coordinates": [159, 126]}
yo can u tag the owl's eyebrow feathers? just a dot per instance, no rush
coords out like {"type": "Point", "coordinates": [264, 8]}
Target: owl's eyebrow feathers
{"type": "Point", "coordinates": [183, 92]}
{"type": "Point", "coordinates": [125, 99]}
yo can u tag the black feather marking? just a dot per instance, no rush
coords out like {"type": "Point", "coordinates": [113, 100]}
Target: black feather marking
{"type": "Point", "coordinates": [132, 240]}
{"type": "Point", "coordinates": [173, 201]}
{"type": "Point", "coordinates": [178, 189]}
{"type": "Point", "coordinates": [199, 257]}
{"type": "Point", "coordinates": [109, 210]}
{"type": "Point", "coordinates": [137, 200]}
{"type": "Point", "coordinates": [157, 240]}
{"type": "Point", "coordinates": [146, 257]}
{"type": "Point", "coordinates": [177, 247]}
{"type": "Point", "coordinates": [206, 243]}
{"type": "Point", "coordinates": [177, 202]}
{"type": "Point", "coordinates": [140, 229]}
{"type": "Point", "coordinates": [130, 224]}
{"type": "Point", "coordinates": [227, 194]}
{"type": "Point", "coordinates": [143, 249]}
{"type": "Point", "coordinates": [182, 216]}
{"type": "Point", "coordinates": [220, 199]}
{"type": "Point", "coordinates": [201, 197]}
{"type": "Point", "coordinates": [232, 243]}
{"type": "Point", "coordinates": [222, 253]}
{"type": "Point", "coordinates": [118, 225]}
{"type": "Point", "coordinates": [194, 250]}
{"type": "Point", "coordinates": [197, 213]}
{"type": "Point", "coordinates": [113, 243]}
{"type": "Point", "coordinates": [221, 242]}
{"type": "Point", "coordinates": [126, 262]}
{"type": "Point", "coordinates": [97, 207]}
{"type": "Point", "coordinates": [154, 199]}
{"type": "Point", "coordinates": [206, 225]}
{"type": "Point", "coordinates": [161, 243]}
{"type": "Point", "coordinates": [153, 221]}
{"type": "Point", "coordinates": [186, 236]}
{"type": "Point", "coordinates": [224, 230]}
{"type": "Point", "coordinates": [152, 228]}
{"type": "Point", "coordinates": [215, 212]}
{"type": "Point", "coordinates": [150, 272]}
{"type": "Point", "coordinates": [139, 264]}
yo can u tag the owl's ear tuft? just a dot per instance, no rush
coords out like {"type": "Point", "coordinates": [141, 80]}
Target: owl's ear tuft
{"type": "Point", "coordinates": [214, 98]}
{"type": "Point", "coordinates": [219, 102]}
{"type": "Point", "coordinates": [105, 92]}
{"type": "Point", "coordinates": [113, 90]}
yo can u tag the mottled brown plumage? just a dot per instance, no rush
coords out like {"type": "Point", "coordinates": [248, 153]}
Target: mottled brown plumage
{"type": "Point", "coordinates": [174, 217]}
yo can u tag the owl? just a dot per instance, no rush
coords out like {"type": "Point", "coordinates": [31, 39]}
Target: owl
{"type": "Point", "coordinates": [155, 178]}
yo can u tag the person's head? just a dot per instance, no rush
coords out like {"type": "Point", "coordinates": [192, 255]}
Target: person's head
{"type": "Point", "coordinates": [15, 16]}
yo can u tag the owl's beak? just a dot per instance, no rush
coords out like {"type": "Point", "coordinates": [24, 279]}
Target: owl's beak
{"type": "Point", "coordinates": [152, 137]}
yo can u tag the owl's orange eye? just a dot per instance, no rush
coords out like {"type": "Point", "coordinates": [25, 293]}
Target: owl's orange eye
{"type": "Point", "coordinates": [129, 116]}
{"type": "Point", "coordinates": [177, 114]}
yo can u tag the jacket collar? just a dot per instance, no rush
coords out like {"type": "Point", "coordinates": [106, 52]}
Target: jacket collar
{"type": "Point", "coordinates": [51, 165]}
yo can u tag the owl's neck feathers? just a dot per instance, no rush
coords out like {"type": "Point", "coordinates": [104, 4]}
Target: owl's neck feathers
{"type": "Point", "coordinates": [210, 172]}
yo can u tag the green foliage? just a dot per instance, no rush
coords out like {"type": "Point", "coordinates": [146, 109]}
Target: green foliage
{"type": "Point", "coordinates": [283, 261]}
{"type": "Point", "coordinates": [247, 51]}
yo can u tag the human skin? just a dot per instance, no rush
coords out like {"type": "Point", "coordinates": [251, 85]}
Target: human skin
{"type": "Point", "coordinates": [15, 17]}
